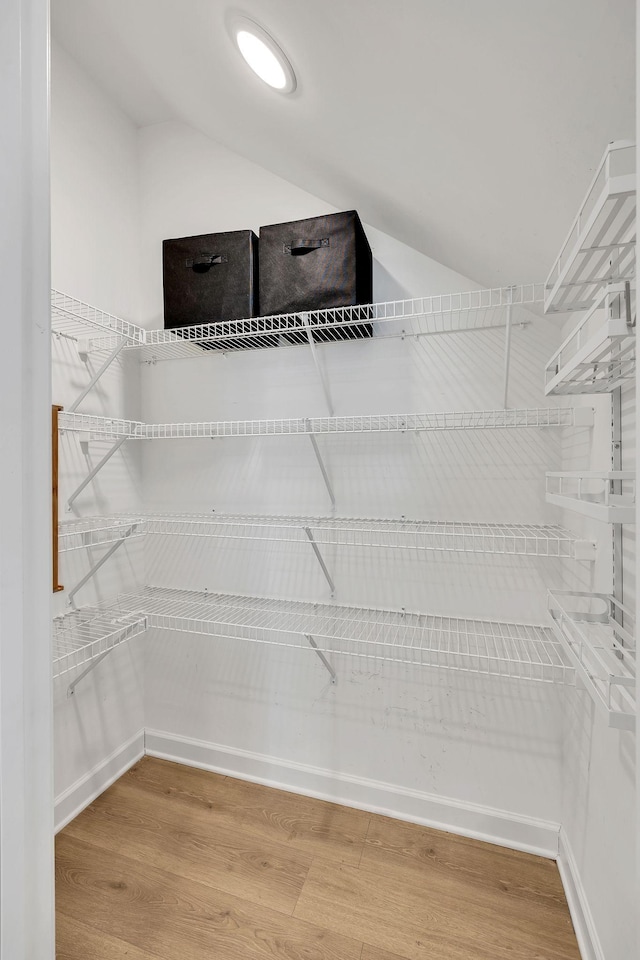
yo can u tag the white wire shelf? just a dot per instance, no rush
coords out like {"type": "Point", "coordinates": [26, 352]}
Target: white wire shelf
{"type": "Point", "coordinates": [423, 316]}
{"type": "Point", "coordinates": [98, 531]}
{"type": "Point", "coordinates": [413, 535]}
{"type": "Point", "coordinates": [600, 246]}
{"type": "Point", "coordinates": [600, 353]}
{"type": "Point", "coordinates": [78, 320]}
{"type": "Point", "coordinates": [609, 496]}
{"type": "Point", "coordinates": [82, 636]}
{"type": "Point", "coordinates": [597, 634]}
{"type": "Point", "coordinates": [523, 651]}
{"type": "Point", "coordinates": [111, 428]}
{"type": "Point", "coordinates": [101, 428]}
{"type": "Point", "coordinates": [385, 423]}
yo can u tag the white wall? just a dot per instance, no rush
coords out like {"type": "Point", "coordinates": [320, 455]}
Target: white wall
{"type": "Point", "coordinates": [489, 742]}
{"type": "Point", "coordinates": [95, 244]}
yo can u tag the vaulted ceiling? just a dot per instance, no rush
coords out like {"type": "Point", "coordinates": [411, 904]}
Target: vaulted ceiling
{"type": "Point", "coordinates": [468, 129]}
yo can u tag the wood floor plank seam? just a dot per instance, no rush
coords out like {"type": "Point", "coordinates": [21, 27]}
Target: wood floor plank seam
{"type": "Point", "coordinates": [364, 842]}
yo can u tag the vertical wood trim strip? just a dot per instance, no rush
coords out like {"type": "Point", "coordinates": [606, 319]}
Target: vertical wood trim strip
{"type": "Point", "coordinates": [55, 410]}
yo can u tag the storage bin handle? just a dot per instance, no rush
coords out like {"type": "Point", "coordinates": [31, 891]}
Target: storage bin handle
{"type": "Point", "coordinates": [204, 261]}
{"type": "Point", "coordinates": [303, 246]}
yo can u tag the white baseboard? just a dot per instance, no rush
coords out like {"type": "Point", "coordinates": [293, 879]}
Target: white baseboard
{"type": "Point", "coordinates": [583, 924]}
{"type": "Point", "coordinates": [85, 790]}
{"type": "Point", "coordinates": [467, 819]}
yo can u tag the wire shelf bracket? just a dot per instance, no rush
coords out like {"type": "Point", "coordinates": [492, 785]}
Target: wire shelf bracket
{"type": "Point", "coordinates": [87, 670]}
{"type": "Point", "coordinates": [95, 471]}
{"type": "Point", "coordinates": [323, 469]}
{"type": "Point", "coordinates": [96, 566]}
{"type": "Point", "coordinates": [83, 638]}
{"type": "Point", "coordinates": [507, 349]}
{"type": "Point", "coordinates": [97, 375]}
{"type": "Point", "coordinates": [320, 560]}
{"type": "Point", "coordinates": [322, 658]}
{"type": "Point", "coordinates": [321, 374]}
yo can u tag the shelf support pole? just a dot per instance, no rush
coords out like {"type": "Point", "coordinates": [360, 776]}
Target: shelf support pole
{"type": "Point", "coordinates": [98, 467]}
{"type": "Point", "coordinates": [507, 346]}
{"type": "Point", "coordinates": [94, 379]}
{"type": "Point", "coordinates": [320, 560]}
{"type": "Point", "coordinates": [94, 663]}
{"type": "Point", "coordinates": [323, 469]}
{"type": "Point", "coordinates": [103, 559]}
{"type": "Point", "coordinates": [316, 360]}
{"type": "Point", "coordinates": [320, 654]}
{"type": "Point", "coordinates": [616, 488]}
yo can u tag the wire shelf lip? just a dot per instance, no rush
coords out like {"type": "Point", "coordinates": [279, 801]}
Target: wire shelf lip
{"type": "Point", "coordinates": [75, 318]}
{"type": "Point", "coordinates": [81, 636]}
{"type": "Point", "coordinates": [600, 243]}
{"type": "Point", "coordinates": [437, 314]}
{"type": "Point", "coordinates": [597, 633]}
{"type": "Point", "coordinates": [494, 648]}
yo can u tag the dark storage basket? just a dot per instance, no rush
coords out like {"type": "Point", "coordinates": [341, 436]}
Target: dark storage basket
{"type": "Point", "coordinates": [317, 264]}
{"type": "Point", "coordinates": [210, 278]}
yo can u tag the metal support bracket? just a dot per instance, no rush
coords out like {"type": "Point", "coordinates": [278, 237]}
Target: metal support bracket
{"type": "Point", "coordinates": [585, 550]}
{"type": "Point", "coordinates": [103, 559]}
{"type": "Point", "coordinates": [98, 467]}
{"type": "Point", "coordinates": [320, 560]}
{"type": "Point", "coordinates": [616, 488]}
{"type": "Point", "coordinates": [321, 656]}
{"type": "Point", "coordinates": [507, 348]}
{"type": "Point", "coordinates": [94, 663]}
{"type": "Point", "coordinates": [94, 379]}
{"type": "Point", "coordinates": [316, 360]}
{"type": "Point", "coordinates": [323, 469]}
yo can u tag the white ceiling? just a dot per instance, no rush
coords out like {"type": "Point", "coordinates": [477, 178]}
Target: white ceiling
{"type": "Point", "coordinates": [469, 129]}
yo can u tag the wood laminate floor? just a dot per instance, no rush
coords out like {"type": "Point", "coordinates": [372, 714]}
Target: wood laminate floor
{"type": "Point", "coordinates": [173, 863]}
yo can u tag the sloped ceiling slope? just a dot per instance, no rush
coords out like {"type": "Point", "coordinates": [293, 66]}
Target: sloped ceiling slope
{"type": "Point", "coordinates": [469, 129]}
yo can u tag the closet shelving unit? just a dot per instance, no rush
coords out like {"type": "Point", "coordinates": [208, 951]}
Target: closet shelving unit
{"type": "Point", "coordinates": [491, 647]}
{"type": "Point", "coordinates": [595, 274]}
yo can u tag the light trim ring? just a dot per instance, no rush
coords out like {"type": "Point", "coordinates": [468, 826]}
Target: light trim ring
{"type": "Point", "coordinates": [263, 55]}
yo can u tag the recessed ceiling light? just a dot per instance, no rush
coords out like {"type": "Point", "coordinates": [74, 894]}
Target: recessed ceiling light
{"type": "Point", "coordinates": [263, 55]}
